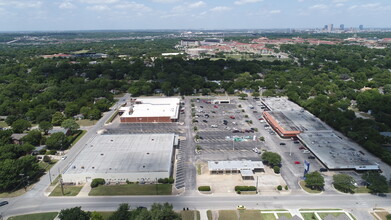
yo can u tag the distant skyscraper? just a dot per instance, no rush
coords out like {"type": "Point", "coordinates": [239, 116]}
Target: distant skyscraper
{"type": "Point", "coordinates": [325, 27]}
{"type": "Point", "coordinates": [361, 27]}
{"type": "Point", "coordinates": [342, 27]}
{"type": "Point", "coordinates": [330, 28]}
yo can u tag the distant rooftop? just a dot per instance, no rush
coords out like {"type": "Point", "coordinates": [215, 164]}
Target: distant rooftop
{"type": "Point", "coordinates": [235, 165]}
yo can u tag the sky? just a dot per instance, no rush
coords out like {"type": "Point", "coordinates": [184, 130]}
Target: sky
{"type": "Point", "coordinates": [56, 15]}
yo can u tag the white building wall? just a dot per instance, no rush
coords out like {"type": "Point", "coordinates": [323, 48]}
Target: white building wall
{"type": "Point", "coordinates": [80, 178]}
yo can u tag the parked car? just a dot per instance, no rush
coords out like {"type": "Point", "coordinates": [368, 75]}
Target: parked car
{"type": "Point", "coordinates": [323, 170]}
{"type": "Point", "coordinates": [215, 106]}
{"type": "Point", "coordinates": [214, 126]}
{"type": "Point", "coordinates": [205, 121]}
{"type": "Point", "coordinates": [297, 162]}
{"type": "Point", "coordinates": [248, 131]}
{"type": "Point", "coordinates": [241, 207]}
{"type": "Point", "coordinates": [195, 121]}
{"type": "Point", "coordinates": [201, 106]}
{"type": "Point", "coordinates": [235, 131]}
{"type": "Point", "coordinates": [296, 142]}
{"type": "Point", "coordinates": [301, 148]}
{"type": "Point", "coordinates": [282, 144]}
{"type": "Point", "coordinates": [311, 157]}
{"type": "Point", "coordinates": [214, 112]}
{"type": "Point", "coordinates": [201, 138]}
{"type": "Point", "coordinates": [3, 203]}
{"type": "Point", "coordinates": [232, 117]}
{"type": "Point", "coordinates": [64, 157]}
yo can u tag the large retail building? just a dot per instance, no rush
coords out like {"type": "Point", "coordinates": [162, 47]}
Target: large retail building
{"type": "Point", "coordinates": [121, 158]}
{"type": "Point", "coordinates": [150, 110]}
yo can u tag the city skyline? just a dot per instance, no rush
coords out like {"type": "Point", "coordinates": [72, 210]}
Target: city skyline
{"type": "Point", "coordinates": [45, 15]}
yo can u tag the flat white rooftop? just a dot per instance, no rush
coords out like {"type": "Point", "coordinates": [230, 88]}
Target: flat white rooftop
{"type": "Point", "coordinates": [153, 107]}
{"type": "Point", "coordinates": [125, 153]}
{"type": "Point", "coordinates": [235, 165]}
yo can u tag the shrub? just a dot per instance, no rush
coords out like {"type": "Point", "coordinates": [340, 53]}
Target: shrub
{"type": "Point", "coordinates": [42, 151]}
{"type": "Point", "coordinates": [166, 180]}
{"type": "Point", "coordinates": [204, 188]}
{"type": "Point", "coordinates": [97, 181]}
{"type": "Point", "coordinates": [279, 187]}
{"type": "Point", "coordinates": [286, 187]}
{"type": "Point", "coordinates": [46, 159]}
{"type": "Point", "coordinates": [52, 152]}
{"type": "Point", "coordinates": [239, 106]}
{"type": "Point", "coordinates": [276, 169]}
{"type": "Point", "coordinates": [245, 188]}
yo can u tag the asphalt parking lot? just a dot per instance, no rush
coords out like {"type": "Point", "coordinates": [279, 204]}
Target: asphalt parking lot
{"type": "Point", "coordinates": [233, 140]}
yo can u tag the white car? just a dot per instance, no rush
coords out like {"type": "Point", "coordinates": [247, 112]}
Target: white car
{"type": "Point", "coordinates": [64, 157]}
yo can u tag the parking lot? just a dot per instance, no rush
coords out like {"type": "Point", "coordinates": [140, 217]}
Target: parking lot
{"type": "Point", "coordinates": [223, 133]}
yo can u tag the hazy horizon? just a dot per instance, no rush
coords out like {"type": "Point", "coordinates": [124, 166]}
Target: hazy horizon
{"type": "Point", "coordinates": [80, 15]}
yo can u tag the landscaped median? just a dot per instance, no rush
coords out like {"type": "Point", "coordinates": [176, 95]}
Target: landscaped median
{"type": "Point", "coordinates": [131, 189]}
{"type": "Point", "coordinates": [37, 216]}
{"type": "Point", "coordinates": [69, 190]}
{"type": "Point", "coordinates": [246, 189]}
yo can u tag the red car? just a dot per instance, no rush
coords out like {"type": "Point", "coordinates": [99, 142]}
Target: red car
{"type": "Point", "coordinates": [232, 117]}
{"type": "Point", "coordinates": [216, 106]}
{"type": "Point", "coordinates": [297, 162]}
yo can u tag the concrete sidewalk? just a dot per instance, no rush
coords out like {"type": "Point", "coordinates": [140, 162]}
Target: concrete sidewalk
{"type": "Point", "coordinates": [85, 190]}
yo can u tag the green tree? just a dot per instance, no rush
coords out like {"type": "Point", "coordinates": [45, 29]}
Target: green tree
{"type": "Point", "coordinates": [96, 216]}
{"type": "Point", "coordinates": [70, 124]}
{"type": "Point", "coordinates": [122, 213]}
{"type": "Point", "coordinates": [256, 94]}
{"type": "Point", "coordinates": [94, 114]}
{"type": "Point", "coordinates": [344, 183]}
{"type": "Point", "coordinates": [34, 137]}
{"type": "Point", "coordinates": [243, 96]}
{"type": "Point", "coordinates": [377, 183]}
{"type": "Point", "coordinates": [163, 212]}
{"type": "Point", "coordinates": [74, 214]}
{"type": "Point", "coordinates": [314, 180]}
{"type": "Point", "coordinates": [20, 125]}
{"type": "Point", "coordinates": [57, 141]}
{"type": "Point", "coordinates": [273, 159]}
{"type": "Point", "coordinates": [57, 118]}
{"type": "Point", "coordinates": [45, 126]}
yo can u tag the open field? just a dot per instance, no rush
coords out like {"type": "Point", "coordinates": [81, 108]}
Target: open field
{"type": "Point", "coordinates": [3, 124]}
{"type": "Point", "coordinates": [37, 216]}
{"type": "Point", "coordinates": [190, 215]}
{"type": "Point", "coordinates": [132, 189]}
{"type": "Point", "coordinates": [68, 190]}
{"type": "Point", "coordinates": [250, 215]}
{"type": "Point", "coordinates": [228, 215]}
{"type": "Point", "coordinates": [86, 122]}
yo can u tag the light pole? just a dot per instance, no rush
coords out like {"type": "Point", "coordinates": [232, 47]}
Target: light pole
{"type": "Point", "coordinates": [290, 148]}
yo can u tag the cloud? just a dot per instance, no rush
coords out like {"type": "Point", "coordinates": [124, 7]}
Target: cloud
{"type": "Point", "coordinates": [133, 6]}
{"type": "Point", "coordinates": [66, 5]}
{"type": "Point", "coordinates": [165, 1]}
{"type": "Point", "coordinates": [98, 8]}
{"type": "Point", "coordinates": [21, 4]}
{"type": "Point", "coordinates": [99, 2]}
{"type": "Point", "coordinates": [319, 6]}
{"type": "Point", "coordinates": [275, 12]}
{"type": "Point", "coordinates": [339, 1]}
{"type": "Point", "coordinates": [197, 4]}
{"type": "Point", "coordinates": [220, 9]}
{"type": "Point", "coordinates": [243, 2]}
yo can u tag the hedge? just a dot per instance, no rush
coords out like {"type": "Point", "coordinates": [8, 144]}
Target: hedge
{"type": "Point", "coordinates": [204, 188]}
{"type": "Point", "coordinates": [166, 180]}
{"type": "Point", "coordinates": [245, 188]}
{"type": "Point", "coordinates": [97, 181]}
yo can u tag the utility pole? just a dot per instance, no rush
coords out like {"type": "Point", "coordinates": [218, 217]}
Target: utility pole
{"type": "Point", "coordinates": [62, 187]}
{"type": "Point", "coordinates": [50, 178]}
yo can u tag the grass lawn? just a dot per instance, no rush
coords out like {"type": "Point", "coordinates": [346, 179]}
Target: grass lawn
{"type": "Point", "coordinates": [209, 214]}
{"type": "Point", "coordinates": [228, 215]}
{"type": "Point", "coordinates": [112, 117]}
{"type": "Point", "coordinates": [268, 216]}
{"type": "Point", "coordinates": [105, 215]}
{"type": "Point", "coordinates": [132, 189]}
{"type": "Point", "coordinates": [382, 215]}
{"type": "Point", "coordinates": [47, 166]}
{"type": "Point", "coordinates": [83, 132]}
{"type": "Point", "coordinates": [37, 216]}
{"type": "Point", "coordinates": [335, 214]}
{"type": "Point", "coordinates": [3, 124]}
{"type": "Point", "coordinates": [68, 190]}
{"type": "Point", "coordinates": [361, 189]}
{"type": "Point", "coordinates": [86, 122]}
{"type": "Point", "coordinates": [250, 215]}
{"type": "Point", "coordinates": [190, 215]}
{"type": "Point", "coordinates": [302, 184]}
{"type": "Point", "coordinates": [309, 216]}
{"type": "Point", "coordinates": [16, 193]}
{"type": "Point", "coordinates": [288, 215]}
